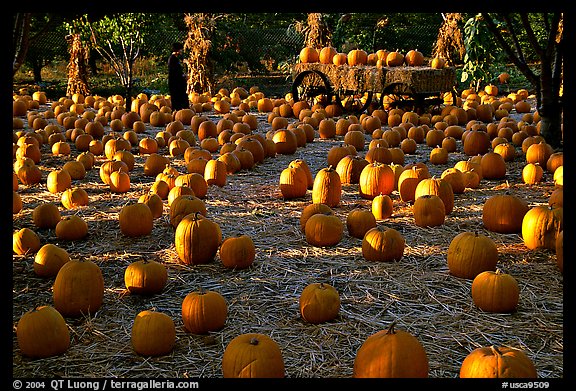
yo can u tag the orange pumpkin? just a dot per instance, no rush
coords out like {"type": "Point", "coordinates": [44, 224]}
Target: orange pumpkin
{"type": "Point", "coordinates": [495, 291]}
{"type": "Point", "coordinates": [471, 253]}
{"type": "Point", "coordinates": [153, 333]}
{"type": "Point", "coordinates": [42, 333]}
{"type": "Point", "coordinates": [319, 303]}
{"type": "Point", "coordinates": [204, 311]}
{"type": "Point", "coordinates": [252, 355]}
{"type": "Point", "coordinates": [78, 288]}
{"type": "Point", "coordinates": [391, 353]}
{"type": "Point", "coordinates": [541, 226]}
{"type": "Point", "coordinates": [497, 362]}
{"type": "Point", "coordinates": [237, 252]}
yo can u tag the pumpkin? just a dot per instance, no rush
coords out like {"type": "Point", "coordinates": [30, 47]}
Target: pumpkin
{"type": "Point", "coordinates": [495, 291]}
{"type": "Point", "coordinates": [78, 288]}
{"type": "Point", "coordinates": [136, 220]}
{"type": "Point", "coordinates": [49, 259]}
{"type": "Point", "coordinates": [252, 355]}
{"type": "Point", "coordinates": [285, 141]}
{"type": "Point", "coordinates": [503, 213]}
{"type": "Point", "coordinates": [327, 187]}
{"type": "Point", "coordinates": [556, 197]}
{"type": "Point", "coordinates": [25, 241]}
{"type": "Point", "coordinates": [184, 205]}
{"type": "Point", "coordinates": [293, 183]}
{"type": "Point", "coordinates": [359, 221]}
{"type": "Point", "coordinates": [319, 302]}
{"type": "Point", "coordinates": [456, 179]}
{"type": "Point", "coordinates": [145, 277]}
{"type": "Point", "coordinates": [538, 152]}
{"type": "Point", "coordinates": [414, 58]}
{"type": "Point", "coordinates": [541, 225]}
{"type": "Point", "coordinates": [476, 142]}
{"type": "Point", "coordinates": [560, 251]}
{"type": "Point", "coordinates": [310, 210]}
{"type": "Point", "coordinates": [324, 229]}
{"type": "Point", "coordinates": [497, 362]}
{"type": "Point", "coordinates": [42, 332]}
{"type": "Point", "coordinates": [357, 57]}
{"type": "Point", "coordinates": [376, 178]}
{"type": "Point", "coordinates": [391, 353]}
{"type": "Point", "coordinates": [382, 207]}
{"type": "Point", "coordinates": [532, 173]}
{"type": "Point", "coordinates": [153, 333]}
{"type": "Point", "coordinates": [309, 55]}
{"type": "Point", "coordinates": [58, 181]}
{"type": "Point", "coordinates": [46, 215]}
{"type": "Point", "coordinates": [154, 202]}
{"type": "Point", "coordinates": [74, 197]}
{"type": "Point", "coordinates": [439, 187]}
{"type": "Point", "coordinates": [155, 164]}
{"type": "Point", "coordinates": [71, 228]}
{"type": "Point", "coordinates": [471, 253]}
{"type": "Point", "coordinates": [237, 252]}
{"type": "Point", "coordinates": [215, 173]}
{"type": "Point", "coordinates": [204, 311]}
{"type": "Point", "coordinates": [197, 239]}
{"type": "Point", "coordinates": [429, 211]}
{"type": "Point", "coordinates": [554, 161]}
{"type": "Point", "coordinates": [382, 244]}
{"type": "Point", "coordinates": [408, 181]}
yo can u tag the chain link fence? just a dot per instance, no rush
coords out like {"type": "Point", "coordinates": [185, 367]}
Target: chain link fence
{"type": "Point", "coordinates": [260, 55]}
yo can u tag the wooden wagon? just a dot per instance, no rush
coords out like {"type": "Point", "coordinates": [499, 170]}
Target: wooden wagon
{"type": "Point", "coordinates": [354, 89]}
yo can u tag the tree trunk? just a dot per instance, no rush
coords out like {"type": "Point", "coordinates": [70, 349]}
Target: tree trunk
{"type": "Point", "coordinates": [37, 70]}
{"type": "Point", "coordinates": [20, 36]}
{"type": "Point", "coordinates": [549, 108]}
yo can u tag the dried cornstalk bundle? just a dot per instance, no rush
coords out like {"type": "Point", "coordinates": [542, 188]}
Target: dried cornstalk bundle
{"type": "Point", "coordinates": [449, 43]}
{"type": "Point", "coordinates": [198, 44]}
{"type": "Point", "coordinates": [77, 67]}
{"type": "Point", "coordinates": [317, 34]}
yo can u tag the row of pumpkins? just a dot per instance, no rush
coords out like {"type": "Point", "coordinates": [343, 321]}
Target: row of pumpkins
{"type": "Point", "coordinates": [359, 57]}
{"type": "Point", "coordinates": [319, 302]}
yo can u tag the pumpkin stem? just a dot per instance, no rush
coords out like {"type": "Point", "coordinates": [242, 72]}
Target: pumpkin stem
{"type": "Point", "coordinates": [495, 350]}
{"type": "Point", "coordinates": [391, 328]}
{"type": "Point", "coordinates": [254, 341]}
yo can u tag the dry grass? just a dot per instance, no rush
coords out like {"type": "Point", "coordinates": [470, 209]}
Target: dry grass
{"type": "Point", "coordinates": [417, 292]}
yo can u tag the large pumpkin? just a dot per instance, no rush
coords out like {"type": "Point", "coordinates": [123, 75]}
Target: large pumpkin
{"type": "Point", "coordinates": [541, 226]}
{"type": "Point", "coordinates": [503, 213]}
{"type": "Point", "coordinates": [327, 187]}
{"type": "Point", "coordinates": [153, 333]}
{"type": "Point", "coordinates": [324, 229]}
{"type": "Point", "coordinates": [375, 179]}
{"type": "Point", "coordinates": [197, 239]}
{"type": "Point", "coordinates": [439, 187]}
{"type": "Point", "coordinates": [429, 211]}
{"type": "Point", "coordinates": [498, 362]}
{"type": "Point", "coordinates": [319, 303]}
{"type": "Point", "coordinates": [49, 259]}
{"type": "Point", "coordinates": [382, 244]}
{"type": "Point", "coordinates": [42, 332]}
{"type": "Point", "coordinates": [204, 311]}
{"type": "Point", "coordinates": [293, 183]}
{"type": "Point", "coordinates": [391, 353]}
{"type": "Point", "coordinates": [252, 355]}
{"type": "Point", "coordinates": [136, 220]}
{"type": "Point", "coordinates": [495, 291]}
{"type": "Point", "coordinates": [78, 288]}
{"type": "Point", "coordinates": [471, 253]}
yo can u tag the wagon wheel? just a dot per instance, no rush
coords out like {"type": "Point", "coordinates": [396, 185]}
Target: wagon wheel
{"type": "Point", "coordinates": [353, 101]}
{"type": "Point", "coordinates": [398, 95]}
{"type": "Point", "coordinates": [435, 102]}
{"type": "Point", "coordinates": [313, 87]}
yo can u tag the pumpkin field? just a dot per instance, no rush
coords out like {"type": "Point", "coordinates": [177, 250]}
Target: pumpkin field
{"type": "Point", "coordinates": [251, 199]}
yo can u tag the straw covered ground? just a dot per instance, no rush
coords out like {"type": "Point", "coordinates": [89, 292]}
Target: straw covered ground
{"type": "Point", "coordinates": [417, 292]}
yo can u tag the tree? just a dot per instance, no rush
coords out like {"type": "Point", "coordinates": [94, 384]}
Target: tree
{"type": "Point", "coordinates": [544, 36]}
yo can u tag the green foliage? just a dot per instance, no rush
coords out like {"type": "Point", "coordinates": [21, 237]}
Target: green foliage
{"type": "Point", "coordinates": [481, 53]}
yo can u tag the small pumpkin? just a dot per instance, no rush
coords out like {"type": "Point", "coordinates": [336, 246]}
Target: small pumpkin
{"type": "Point", "coordinates": [376, 178]}
{"type": "Point", "coordinates": [252, 355]}
{"type": "Point", "coordinates": [495, 291]}
{"type": "Point", "coordinates": [72, 227]}
{"type": "Point", "coordinates": [382, 244]}
{"type": "Point", "coordinates": [319, 302]}
{"type": "Point", "coordinates": [324, 230]}
{"type": "Point", "coordinates": [359, 221]}
{"type": "Point", "coordinates": [49, 259]}
{"type": "Point", "coordinates": [136, 220]}
{"type": "Point", "coordinates": [382, 207]}
{"type": "Point", "coordinates": [237, 252]}
{"type": "Point", "coordinates": [204, 311]}
{"type": "Point", "coordinates": [42, 332]}
{"type": "Point", "coordinates": [293, 183]}
{"type": "Point", "coordinates": [429, 211]}
{"type": "Point", "coordinates": [497, 362]}
{"type": "Point", "coordinates": [310, 210]}
{"type": "Point", "coordinates": [46, 215]}
{"type": "Point", "coordinates": [25, 241]}
{"type": "Point", "coordinates": [153, 333]}
{"type": "Point", "coordinates": [391, 353]}
{"type": "Point", "coordinates": [532, 173]}
{"type": "Point", "coordinates": [74, 197]}
{"type": "Point", "coordinates": [145, 277]}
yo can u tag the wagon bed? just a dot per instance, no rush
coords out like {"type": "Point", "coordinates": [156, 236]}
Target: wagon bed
{"type": "Point", "coordinates": [354, 87]}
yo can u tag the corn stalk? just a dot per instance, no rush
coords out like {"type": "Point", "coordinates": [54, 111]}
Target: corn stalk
{"type": "Point", "coordinates": [198, 43]}
{"type": "Point", "coordinates": [77, 67]}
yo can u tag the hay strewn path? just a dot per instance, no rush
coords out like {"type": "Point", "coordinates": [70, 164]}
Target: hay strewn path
{"type": "Point", "coordinates": [416, 292]}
